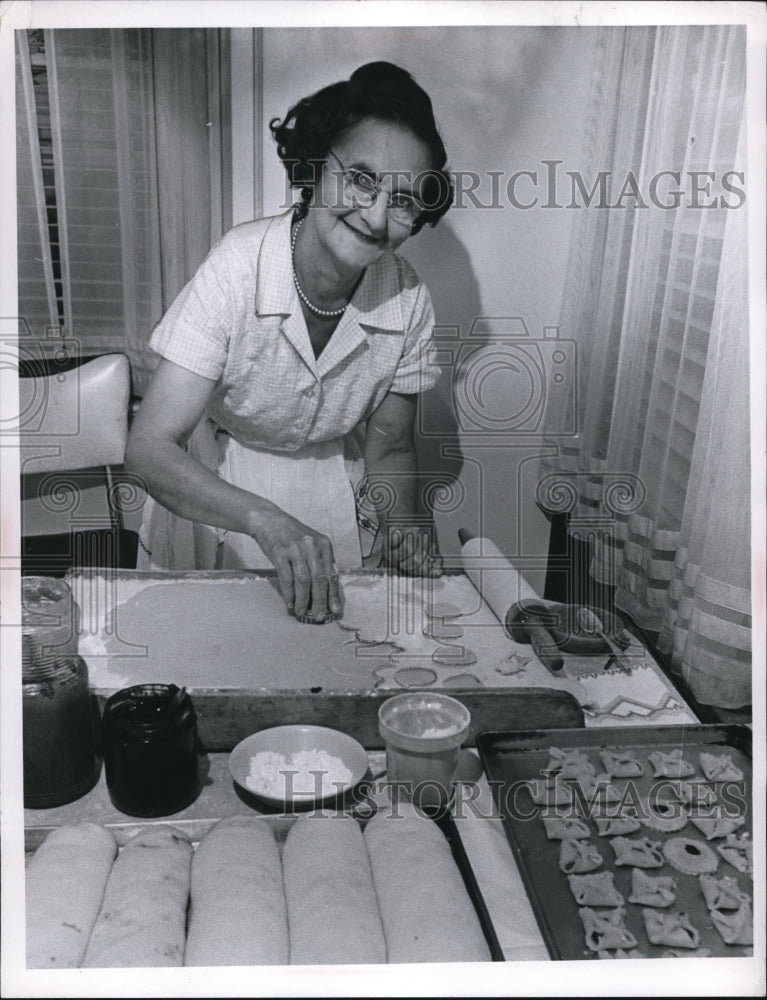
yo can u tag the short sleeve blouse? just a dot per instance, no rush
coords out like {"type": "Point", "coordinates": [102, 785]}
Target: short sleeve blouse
{"type": "Point", "coordinates": [239, 323]}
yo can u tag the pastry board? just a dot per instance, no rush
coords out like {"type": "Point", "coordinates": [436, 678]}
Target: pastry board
{"type": "Point", "coordinates": [229, 631]}
{"type": "Point", "coordinates": [513, 760]}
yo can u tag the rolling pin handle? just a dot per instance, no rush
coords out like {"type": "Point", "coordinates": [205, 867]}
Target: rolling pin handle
{"type": "Point", "coordinates": [546, 648]}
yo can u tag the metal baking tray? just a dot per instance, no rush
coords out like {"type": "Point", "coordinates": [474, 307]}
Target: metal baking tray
{"type": "Point", "coordinates": [512, 759]}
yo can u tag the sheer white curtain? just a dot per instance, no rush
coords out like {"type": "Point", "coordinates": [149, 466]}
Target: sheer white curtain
{"type": "Point", "coordinates": [656, 298]}
{"type": "Point", "coordinates": [122, 178]}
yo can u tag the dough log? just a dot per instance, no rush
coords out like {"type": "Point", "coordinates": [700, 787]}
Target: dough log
{"type": "Point", "coordinates": [332, 908]}
{"type": "Point", "coordinates": [426, 911]}
{"type": "Point", "coordinates": [65, 881]}
{"type": "Point", "coordinates": [142, 921]}
{"type": "Point", "coordinates": [237, 914]}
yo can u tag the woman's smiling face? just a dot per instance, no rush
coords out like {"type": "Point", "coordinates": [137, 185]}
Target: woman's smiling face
{"type": "Point", "coordinates": [357, 237]}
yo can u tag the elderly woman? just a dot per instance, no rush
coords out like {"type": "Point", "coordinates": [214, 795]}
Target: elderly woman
{"type": "Point", "coordinates": [278, 427]}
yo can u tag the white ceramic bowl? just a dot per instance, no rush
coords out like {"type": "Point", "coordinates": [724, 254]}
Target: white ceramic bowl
{"type": "Point", "coordinates": [284, 742]}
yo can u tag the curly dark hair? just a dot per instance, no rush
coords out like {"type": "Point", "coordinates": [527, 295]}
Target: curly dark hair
{"type": "Point", "coordinates": [376, 90]}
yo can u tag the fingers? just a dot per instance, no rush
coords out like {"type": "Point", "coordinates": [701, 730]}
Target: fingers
{"type": "Point", "coordinates": [412, 551]}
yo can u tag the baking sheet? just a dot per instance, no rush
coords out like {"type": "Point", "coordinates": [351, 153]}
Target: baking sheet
{"type": "Point", "coordinates": [512, 759]}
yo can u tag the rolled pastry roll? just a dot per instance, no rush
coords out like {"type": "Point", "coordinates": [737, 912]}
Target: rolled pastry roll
{"type": "Point", "coordinates": [142, 921]}
{"type": "Point", "coordinates": [426, 911]}
{"type": "Point", "coordinates": [65, 881]}
{"type": "Point", "coordinates": [332, 908]}
{"type": "Point", "coordinates": [237, 913]}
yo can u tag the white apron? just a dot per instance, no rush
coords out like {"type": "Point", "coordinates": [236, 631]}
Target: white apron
{"type": "Point", "coordinates": [315, 485]}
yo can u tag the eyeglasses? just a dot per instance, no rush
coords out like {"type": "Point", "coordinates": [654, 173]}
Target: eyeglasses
{"type": "Point", "coordinates": [362, 190]}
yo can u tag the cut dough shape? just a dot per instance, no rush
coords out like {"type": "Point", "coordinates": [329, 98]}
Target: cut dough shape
{"type": "Point", "coordinates": [569, 763]}
{"type": "Point", "coordinates": [647, 890]}
{"type": "Point", "coordinates": [613, 826]}
{"type": "Point", "coordinates": [722, 893]}
{"type": "Point", "coordinates": [621, 763]}
{"type": "Point", "coordinates": [450, 656]}
{"type": "Point", "coordinates": [565, 828]}
{"type": "Point", "coordinates": [695, 793]}
{"type": "Point", "coordinates": [735, 927]}
{"type": "Point", "coordinates": [713, 827]}
{"type": "Point", "coordinates": [142, 921]}
{"type": "Point", "coordinates": [426, 911]}
{"type": "Point", "coordinates": [415, 676]}
{"type": "Point", "coordinates": [440, 631]}
{"type": "Point", "coordinates": [720, 767]}
{"type": "Point", "coordinates": [333, 913]}
{"type": "Point", "coordinates": [738, 851]}
{"type": "Point", "coordinates": [606, 929]}
{"type": "Point", "coordinates": [664, 816]}
{"type": "Point", "coordinates": [550, 791]}
{"type": "Point", "coordinates": [463, 680]}
{"type": "Point", "coordinates": [578, 856]}
{"type": "Point", "coordinates": [670, 764]}
{"type": "Point", "coordinates": [65, 882]}
{"type": "Point", "coordinates": [237, 913]}
{"type": "Point", "coordinates": [639, 852]}
{"type": "Point", "coordinates": [672, 929]}
{"type": "Point", "coordinates": [595, 889]}
{"type": "Point", "coordinates": [689, 856]}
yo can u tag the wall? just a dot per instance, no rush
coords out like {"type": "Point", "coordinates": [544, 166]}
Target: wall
{"type": "Point", "coordinates": [506, 99]}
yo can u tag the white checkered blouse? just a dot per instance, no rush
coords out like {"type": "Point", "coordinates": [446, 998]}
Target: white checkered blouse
{"type": "Point", "coordinates": [239, 322]}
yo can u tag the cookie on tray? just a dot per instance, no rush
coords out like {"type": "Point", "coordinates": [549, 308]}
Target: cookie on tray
{"type": "Point", "coordinates": [598, 788]}
{"type": "Point", "coordinates": [578, 856]}
{"type": "Point", "coordinates": [565, 828]}
{"type": "Point", "coordinates": [615, 826]}
{"type": "Point", "coordinates": [595, 889]}
{"type": "Point", "coordinates": [606, 929]}
{"type": "Point", "coordinates": [713, 827]}
{"type": "Point", "coordinates": [550, 790]}
{"type": "Point", "coordinates": [648, 890]}
{"type": "Point", "coordinates": [695, 793]}
{"type": "Point", "coordinates": [735, 926]}
{"type": "Point", "coordinates": [621, 763]}
{"type": "Point", "coordinates": [690, 856]}
{"type": "Point", "coordinates": [569, 763]}
{"type": "Point", "coordinates": [664, 816]}
{"type": "Point", "coordinates": [670, 764]}
{"type": "Point", "coordinates": [720, 767]}
{"type": "Point", "coordinates": [672, 929]}
{"type": "Point", "coordinates": [738, 851]}
{"type": "Point", "coordinates": [639, 852]}
{"type": "Point", "coordinates": [722, 893]}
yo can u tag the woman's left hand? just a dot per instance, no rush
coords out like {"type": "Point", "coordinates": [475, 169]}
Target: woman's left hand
{"type": "Point", "coordinates": [412, 550]}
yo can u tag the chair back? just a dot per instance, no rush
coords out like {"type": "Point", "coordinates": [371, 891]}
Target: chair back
{"type": "Point", "coordinates": [77, 419]}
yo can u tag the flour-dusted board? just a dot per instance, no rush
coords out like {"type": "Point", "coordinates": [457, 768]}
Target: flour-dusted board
{"type": "Point", "coordinates": [226, 631]}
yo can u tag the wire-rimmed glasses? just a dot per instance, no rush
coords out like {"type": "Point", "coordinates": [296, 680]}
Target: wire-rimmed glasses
{"type": "Point", "coordinates": [362, 190]}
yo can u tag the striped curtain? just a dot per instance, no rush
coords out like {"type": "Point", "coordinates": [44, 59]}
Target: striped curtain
{"type": "Point", "coordinates": [657, 477]}
{"type": "Point", "coordinates": [122, 186]}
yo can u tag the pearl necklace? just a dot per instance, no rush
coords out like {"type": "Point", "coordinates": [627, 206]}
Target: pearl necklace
{"type": "Point", "coordinates": [325, 313]}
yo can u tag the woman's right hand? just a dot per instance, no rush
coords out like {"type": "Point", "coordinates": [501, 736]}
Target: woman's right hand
{"type": "Point", "coordinates": [305, 565]}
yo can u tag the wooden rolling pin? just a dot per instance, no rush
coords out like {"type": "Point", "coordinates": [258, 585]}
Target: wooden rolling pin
{"type": "Point", "coordinates": [511, 599]}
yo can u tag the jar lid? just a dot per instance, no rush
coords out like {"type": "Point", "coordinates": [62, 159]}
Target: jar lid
{"type": "Point", "coordinates": [148, 708]}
